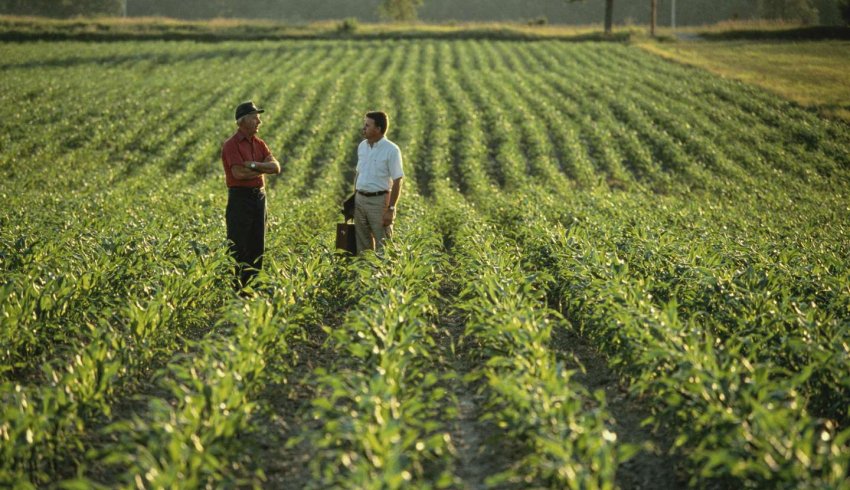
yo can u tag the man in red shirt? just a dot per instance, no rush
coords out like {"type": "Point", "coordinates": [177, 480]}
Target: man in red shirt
{"type": "Point", "coordinates": [246, 158]}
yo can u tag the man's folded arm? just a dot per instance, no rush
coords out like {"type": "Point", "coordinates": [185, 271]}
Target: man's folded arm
{"type": "Point", "coordinates": [240, 171]}
{"type": "Point", "coordinates": [270, 165]}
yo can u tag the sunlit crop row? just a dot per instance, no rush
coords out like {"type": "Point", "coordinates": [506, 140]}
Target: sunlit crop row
{"type": "Point", "coordinates": [564, 430]}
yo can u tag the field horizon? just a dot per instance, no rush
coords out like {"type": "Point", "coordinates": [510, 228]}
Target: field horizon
{"type": "Point", "coordinates": [101, 29]}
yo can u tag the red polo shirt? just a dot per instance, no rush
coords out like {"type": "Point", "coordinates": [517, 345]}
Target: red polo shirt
{"type": "Point", "coordinates": [239, 149]}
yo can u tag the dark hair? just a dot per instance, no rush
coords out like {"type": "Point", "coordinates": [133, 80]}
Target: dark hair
{"type": "Point", "coordinates": [382, 120]}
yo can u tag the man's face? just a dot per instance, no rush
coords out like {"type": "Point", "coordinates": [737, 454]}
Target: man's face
{"type": "Point", "coordinates": [250, 124]}
{"type": "Point", "coordinates": [370, 131]}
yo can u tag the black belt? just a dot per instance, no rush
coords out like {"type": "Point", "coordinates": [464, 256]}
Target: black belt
{"type": "Point", "coordinates": [246, 190]}
{"type": "Point", "coordinates": [371, 194]}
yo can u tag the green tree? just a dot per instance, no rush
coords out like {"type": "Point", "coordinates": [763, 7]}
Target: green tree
{"type": "Point", "coordinates": [63, 8]}
{"type": "Point", "coordinates": [792, 10]}
{"type": "Point", "coordinates": [609, 14]}
{"type": "Point", "coordinates": [399, 10]}
{"type": "Point", "coordinates": [845, 11]}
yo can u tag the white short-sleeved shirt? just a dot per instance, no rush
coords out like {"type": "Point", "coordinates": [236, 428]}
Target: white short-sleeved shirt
{"type": "Point", "coordinates": [378, 165]}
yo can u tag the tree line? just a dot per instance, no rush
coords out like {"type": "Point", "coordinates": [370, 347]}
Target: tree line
{"type": "Point", "coordinates": [556, 11]}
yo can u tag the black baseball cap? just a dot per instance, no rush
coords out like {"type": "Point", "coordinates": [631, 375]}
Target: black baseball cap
{"type": "Point", "coordinates": [246, 108]}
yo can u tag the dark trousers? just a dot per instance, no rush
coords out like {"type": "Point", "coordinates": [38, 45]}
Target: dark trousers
{"type": "Point", "coordinates": [246, 231]}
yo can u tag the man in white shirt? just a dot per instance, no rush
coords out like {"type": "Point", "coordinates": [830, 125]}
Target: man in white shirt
{"type": "Point", "coordinates": [377, 183]}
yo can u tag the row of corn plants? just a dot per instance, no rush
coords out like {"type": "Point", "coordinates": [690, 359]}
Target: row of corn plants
{"type": "Point", "coordinates": [559, 117]}
{"type": "Point", "coordinates": [39, 258]}
{"type": "Point", "coordinates": [507, 163]}
{"type": "Point", "coordinates": [779, 201]}
{"type": "Point", "coordinates": [563, 430]}
{"type": "Point", "coordinates": [136, 298]}
{"type": "Point", "coordinates": [529, 394]}
{"type": "Point", "coordinates": [517, 95]}
{"type": "Point", "coordinates": [437, 164]}
{"type": "Point", "coordinates": [714, 308]}
{"type": "Point", "coordinates": [736, 355]}
{"type": "Point", "coordinates": [686, 151]}
{"type": "Point", "coordinates": [410, 126]}
{"type": "Point", "coordinates": [477, 174]}
{"type": "Point", "coordinates": [104, 343]}
{"type": "Point", "coordinates": [326, 179]}
{"type": "Point", "coordinates": [814, 382]}
{"type": "Point", "coordinates": [66, 271]}
{"type": "Point", "coordinates": [333, 113]}
{"type": "Point", "coordinates": [218, 389]}
{"type": "Point", "coordinates": [802, 146]}
{"type": "Point", "coordinates": [45, 418]}
{"type": "Point", "coordinates": [379, 404]}
{"type": "Point", "coordinates": [323, 278]}
{"type": "Point", "coordinates": [803, 134]}
{"type": "Point", "coordinates": [687, 119]}
{"type": "Point", "coordinates": [605, 134]}
{"type": "Point", "coordinates": [189, 432]}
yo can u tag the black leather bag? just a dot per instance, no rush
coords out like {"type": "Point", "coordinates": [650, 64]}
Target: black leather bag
{"type": "Point", "coordinates": [345, 238]}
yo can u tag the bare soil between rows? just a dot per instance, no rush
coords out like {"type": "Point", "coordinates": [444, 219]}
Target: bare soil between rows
{"type": "Point", "coordinates": [654, 467]}
{"type": "Point", "coordinates": [284, 415]}
{"type": "Point", "coordinates": [480, 448]}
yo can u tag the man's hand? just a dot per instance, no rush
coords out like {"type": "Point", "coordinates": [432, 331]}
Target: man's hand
{"type": "Point", "coordinates": [271, 165]}
{"type": "Point", "coordinates": [389, 216]}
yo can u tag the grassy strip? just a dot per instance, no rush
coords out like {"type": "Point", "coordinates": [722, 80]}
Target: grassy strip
{"type": "Point", "coordinates": [802, 33]}
{"type": "Point", "coordinates": [19, 28]}
{"type": "Point", "coordinates": [755, 29]}
{"type": "Point", "coordinates": [813, 74]}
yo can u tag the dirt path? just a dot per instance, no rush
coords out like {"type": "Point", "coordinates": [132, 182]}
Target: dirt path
{"type": "Point", "coordinates": [284, 415]}
{"type": "Point", "coordinates": [479, 452]}
{"type": "Point", "coordinates": [652, 467]}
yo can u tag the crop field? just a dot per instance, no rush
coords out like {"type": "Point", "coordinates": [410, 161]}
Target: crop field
{"type": "Point", "coordinates": [609, 270]}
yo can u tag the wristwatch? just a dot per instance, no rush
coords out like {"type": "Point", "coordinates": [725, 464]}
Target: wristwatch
{"type": "Point", "coordinates": [391, 208]}
{"type": "Point", "coordinates": [253, 166]}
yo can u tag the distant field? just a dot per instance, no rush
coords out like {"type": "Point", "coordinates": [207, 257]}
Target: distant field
{"type": "Point", "coordinates": [155, 28]}
{"type": "Point", "coordinates": [813, 73]}
{"type": "Point", "coordinates": [589, 236]}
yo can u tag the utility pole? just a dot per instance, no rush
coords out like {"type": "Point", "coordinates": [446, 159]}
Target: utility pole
{"type": "Point", "coordinates": [652, 17]}
{"type": "Point", "coordinates": [123, 8]}
{"type": "Point", "coordinates": [673, 15]}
